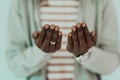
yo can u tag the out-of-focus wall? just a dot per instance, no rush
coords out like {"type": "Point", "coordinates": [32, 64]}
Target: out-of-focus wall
{"type": "Point", "coordinates": [5, 73]}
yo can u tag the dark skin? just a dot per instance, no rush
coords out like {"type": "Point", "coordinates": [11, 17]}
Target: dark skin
{"type": "Point", "coordinates": [80, 40]}
{"type": "Point", "coordinates": [47, 34]}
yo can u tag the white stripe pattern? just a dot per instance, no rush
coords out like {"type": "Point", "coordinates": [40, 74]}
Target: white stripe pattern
{"type": "Point", "coordinates": [60, 68]}
{"type": "Point", "coordinates": [55, 61]}
{"type": "Point", "coordinates": [61, 24]}
{"type": "Point", "coordinates": [59, 17]}
{"type": "Point", "coordinates": [63, 75]}
{"type": "Point", "coordinates": [63, 54]}
{"type": "Point", "coordinates": [61, 10]}
{"type": "Point", "coordinates": [64, 14]}
{"type": "Point", "coordinates": [62, 2]}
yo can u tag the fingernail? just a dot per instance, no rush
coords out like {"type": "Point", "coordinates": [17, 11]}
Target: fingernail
{"type": "Point", "coordinates": [34, 35]}
{"type": "Point", "coordinates": [52, 26]}
{"type": "Point", "coordinates": [93, 33]}
{"type": "Point", "coordinates": [73, 28]}
{"type": "Point", "coordinates": [69, 34]}
{"type": "Point", "coordinates": [78, 25]}
{"type": "Point", "coordinates": [46, 26]}
{"type": "Point", "coordinates": [60, 33]}
{"type": "Point", "coordinates": [57, 28]}
{"type": "Point", "coordinates": [83, 24]}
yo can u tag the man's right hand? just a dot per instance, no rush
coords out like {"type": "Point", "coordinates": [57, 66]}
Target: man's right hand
{"type": "Point", "coordinates": [49, 39]}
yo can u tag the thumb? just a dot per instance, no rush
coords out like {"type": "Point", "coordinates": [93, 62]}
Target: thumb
{"type": "Point", "coordinates": [93, 36]}
{"type": "Point", "coordinates": [35, 34]}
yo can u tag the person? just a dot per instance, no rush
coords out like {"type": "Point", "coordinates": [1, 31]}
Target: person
{"type": "Point", "coordinates": [62, 39]}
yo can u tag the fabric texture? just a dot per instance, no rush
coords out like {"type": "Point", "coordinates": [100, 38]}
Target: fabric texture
{"type": "Point", "coordinates": [26, 60]}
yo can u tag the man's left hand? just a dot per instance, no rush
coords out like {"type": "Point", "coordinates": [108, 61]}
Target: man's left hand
{"type": "Point", "coordinates": [80, 40]}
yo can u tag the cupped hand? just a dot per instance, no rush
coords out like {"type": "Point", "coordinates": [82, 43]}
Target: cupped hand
{"type": "Point", "coordinates": [80, 40]}
{"type": "Point", "coordinates": [48, 39]}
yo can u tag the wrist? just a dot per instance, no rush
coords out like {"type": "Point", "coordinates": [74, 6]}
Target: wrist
{"type": "Point", "coordinates": [84, 57]}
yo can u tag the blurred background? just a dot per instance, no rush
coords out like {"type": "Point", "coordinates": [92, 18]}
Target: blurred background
{"type": "Point", "coordinates": [5, 73]}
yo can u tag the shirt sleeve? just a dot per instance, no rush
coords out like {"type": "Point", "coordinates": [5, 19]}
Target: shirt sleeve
{"type": "Point", "coordinates": [23, 60]}
{"type": "Point", "coordinates": [105, 58]}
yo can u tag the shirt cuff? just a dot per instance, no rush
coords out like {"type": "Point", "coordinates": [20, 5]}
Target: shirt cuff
{"type": "Point", "coordinates": [84, 57]}
{"type": "Point", "coordinates": [38, 51]}
{"type": "Point", "coordinates": [35, 55]}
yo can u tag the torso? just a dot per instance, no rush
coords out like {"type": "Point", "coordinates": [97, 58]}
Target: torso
{"type": "Point", "coordinates": [63, 13]}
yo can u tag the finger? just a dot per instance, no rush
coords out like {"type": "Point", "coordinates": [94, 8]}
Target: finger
{"type": "Point", "coordinates": [55, 34]}
{"type": "Point", "coordinates": [57, 28]}
{"type": "Point", "coordinates": [93, 36]}
{"type": "Point", "coordinates": [43, 33]}
{"type": "Point", "coordinates": [45, 46]}
{"type": "Point", "coordinates": [48, 37]}
{"type": "Point", "coordinates": [52, 27]}
{"type": "Point", "coordinates": [86, 32]}
{"type": "Point", "coordinates": [50, 33]}
{"type": "Point", "coordinates": [70, 42]}
{"type": "Point", "coordinates": [74, 37]}
{"type": "Point", "coordinates": [59, 40]}
{"type": "Point", "coordinates": [81, 38]}
{"type": "Point", "coordinates": [52, 30]}
{"type": "Point", "coordinates": [35, 34]}
{"type": "Point", "coordinates": [87, 35]}
{"type": "Point", "coordinates": [54, 39]}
